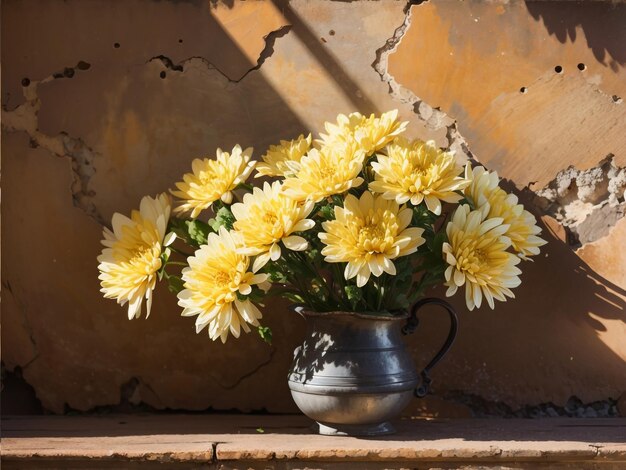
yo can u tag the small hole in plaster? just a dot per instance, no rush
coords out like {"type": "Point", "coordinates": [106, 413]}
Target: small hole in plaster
{"type": "Point", "coordinates": [523, 89]}
{"type": "Point", "coordinates": [82, 65]}
{"type": "Point", "coordinates": [582, 67]}
{"type": "Point", "coordinates": [323, 39]}
{"type": "Point", "coordinates": [331, 32]}
{"type": "Point", "coordinates": [68, 72]}
{"type": "Point", "coordinates": [116, 45]}
{"type": "Point", "coordinates": [25, 81]}
{"type": "Point", "coordinates": [616, 99]}
{"type": "Point", "coordinates": [180, 41]}
{"type": "Point", "coordinates": [558, 69]}
{"type": "Point", "coordinates": [162, 75]}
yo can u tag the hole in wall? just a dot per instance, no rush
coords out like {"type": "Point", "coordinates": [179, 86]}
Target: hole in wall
{"type": "Point", "coordinates": [558, 69]}
{"type": "Point", "coordinates": [25, 81]}
{"type": "Point", "coordinates": [616, 99]}
{"type": "Point", "coordinates": [82, 65]}
{"type": "Point", "coordinates": [180, 41]}
{"type": "Point", "coordinates": [331, 32]}
{"type": "Point", "coordinates": [68, 72]}
{"type": "Point", "coordinates": [162, 75]}
{"type": "Point", "coordinates": [523, 89]}
{"type": "Point", "coordinates": [582, 67]}
{"type": "Point", "coordinates": [116, 45]}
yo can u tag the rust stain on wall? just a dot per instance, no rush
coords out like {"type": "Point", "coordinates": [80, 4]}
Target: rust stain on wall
{"type": "Point", "coordinates": [514, 88]}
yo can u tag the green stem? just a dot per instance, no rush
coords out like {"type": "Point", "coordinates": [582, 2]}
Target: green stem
{"type": "Point", "coordinates": [182, 253]}
{"type": "Point", "coordinates": [177, 263]}
{"type": "Point", "coordinates": [382, 290]}
{"type": "Point", "coordinates": [301, 260]}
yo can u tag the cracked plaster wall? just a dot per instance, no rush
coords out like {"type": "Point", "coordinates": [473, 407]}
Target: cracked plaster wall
{"type": "Point", "coordinates": [105, 102]}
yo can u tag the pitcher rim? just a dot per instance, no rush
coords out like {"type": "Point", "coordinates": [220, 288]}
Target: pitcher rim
{"type": "Point", "coordinates": [388, 316]}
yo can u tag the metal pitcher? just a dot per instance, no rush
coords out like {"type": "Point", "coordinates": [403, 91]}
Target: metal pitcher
{"type": "Point", "coordinates": [353, 373]}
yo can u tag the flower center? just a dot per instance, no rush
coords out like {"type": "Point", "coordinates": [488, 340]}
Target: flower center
{"type": "Point", "coordinates": [222, 278]}
{"type": "Point", "coordinates": [328, 172]}
{"type": "Point", "coordinates": [270, 218]}
{"type": "Point", "coordinates": [374, 237]}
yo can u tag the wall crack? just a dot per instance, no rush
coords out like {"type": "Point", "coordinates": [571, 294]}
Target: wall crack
{"type": "Point", "coordinates": [267, 52]}
{"type": "Point", "coordinates": [249, 373]}
{"type": "Point", "coordinates": [433, 117]}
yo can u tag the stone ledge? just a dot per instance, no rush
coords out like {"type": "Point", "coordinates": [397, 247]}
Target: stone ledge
{"type": "Point", "coordinates": [236, 441]}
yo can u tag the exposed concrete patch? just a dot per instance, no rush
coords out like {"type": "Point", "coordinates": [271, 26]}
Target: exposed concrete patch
{"type": "Point", "coordinates": [24, 118]}
{"type": "Point", "coordinates": [586, 202]}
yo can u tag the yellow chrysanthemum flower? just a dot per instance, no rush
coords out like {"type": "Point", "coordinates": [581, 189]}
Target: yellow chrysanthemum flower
{"type": "Point", "coordinates": [279, 159]}
{"type": "Point", "coordinates": [330, 170]}
{"type": "Point", "coordinates": [477, 255]}
{"type": "Point", "coordinates": [418, 171]}
{"type": "Point", "coordinates": [212, 180]}
{"type": "Point", "coordinates": [267, 217]}
{"type": "Point", "coordinates": [129, 263]}
{"type": "Point", "coordinates": [370, 133]}
{"type": "Point", "coordinates": [368, 233]}
{"type": "Point", "coordinates": [523, 228]}
{"type": "Point", "coordinates": [482, 184]}
{"type": "Point", "coordinates": [214, 281]}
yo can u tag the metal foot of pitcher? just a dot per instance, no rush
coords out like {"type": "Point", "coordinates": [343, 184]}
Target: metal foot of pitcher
{"type": "Point", "coordinates": [354, 429]}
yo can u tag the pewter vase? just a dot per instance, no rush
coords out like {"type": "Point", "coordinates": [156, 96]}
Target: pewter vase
{"type": "Point", "coordinates": [353, 373]}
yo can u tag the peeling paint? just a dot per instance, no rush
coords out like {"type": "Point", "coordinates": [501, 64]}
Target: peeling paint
{"type": "Point", "coordinates": [24, 118]}
{"type": "Point", "coordinates": [434, 118]}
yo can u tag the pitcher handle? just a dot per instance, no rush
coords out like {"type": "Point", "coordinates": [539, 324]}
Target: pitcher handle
{"type": "Point", "coordinates": [424, 387]}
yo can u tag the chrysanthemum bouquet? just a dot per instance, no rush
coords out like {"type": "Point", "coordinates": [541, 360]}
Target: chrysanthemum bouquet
{"type": "Point", "coordinates": [353, 221]}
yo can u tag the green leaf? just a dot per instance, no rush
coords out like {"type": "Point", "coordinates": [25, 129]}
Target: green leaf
{"type": "Point", "coordinates": [175, 284]}
{"type": "Point", "coordinates": [179, 227]}
{"type": "Point", "coordinates": [327, 212]}
{"type": "Point", "coordinates": [353, 293]}
{"type": "Point", "coordinates": [198, 231]}
{"type": "Point", "coordinates": [193, 232]}
{"type": "Point", "coordinates": [223, 218]}
{"type": "Point", "coordinates": [265, 333]}
{"type": "Point", "coordinates": [260, 430]}
{"type": "Point", "coordinates": [276, 273]}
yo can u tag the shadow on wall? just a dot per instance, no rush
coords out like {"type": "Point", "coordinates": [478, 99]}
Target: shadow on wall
{"type": "Point", "coordinates": [350, 89]}
{"type": "Point", "coordinates": [602, 23]}
{"type": "Point", "coordinates": [552, 339]}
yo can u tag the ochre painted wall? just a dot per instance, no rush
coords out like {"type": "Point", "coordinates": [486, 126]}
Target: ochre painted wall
{"type": "Point", "coordinates": [103, 102]}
